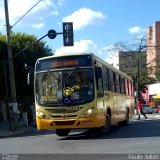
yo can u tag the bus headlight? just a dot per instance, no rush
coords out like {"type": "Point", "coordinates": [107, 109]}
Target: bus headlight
{"type": "Point", "coordinates": [87, 113]}
{"type": "Point", "coordinates": [41, 114]}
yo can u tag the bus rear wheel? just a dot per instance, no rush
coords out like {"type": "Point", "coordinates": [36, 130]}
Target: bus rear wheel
{"type": "Point", "coordinates": [107, 126]}
{"type": "Point", "coordinates": [62, 132]}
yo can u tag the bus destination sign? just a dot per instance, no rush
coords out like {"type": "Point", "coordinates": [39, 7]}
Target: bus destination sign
{"type": "Point", "coordinates": [64, 63]}
{"type": "Point", "coordinates": [60, 62]}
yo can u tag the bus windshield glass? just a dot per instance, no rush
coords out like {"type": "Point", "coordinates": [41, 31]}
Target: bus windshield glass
{"type": "Point", "coordinates": [64, 87]}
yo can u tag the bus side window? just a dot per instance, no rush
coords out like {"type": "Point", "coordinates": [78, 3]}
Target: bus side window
{"type": "Point", "coordinates": [99, 82]}
{"type": "Point", "coordinates": [111, 80]}
{"type": "Point", "coordinates": [122, 90]}
{"type": "Point", "coordinates": [105, 78]}
{"type": "Point", "coordinates": [126, 87]}
{"type": "Point", "coordinates": [116, 82]}
{"type": "Point", "coordinates": [130, 87]}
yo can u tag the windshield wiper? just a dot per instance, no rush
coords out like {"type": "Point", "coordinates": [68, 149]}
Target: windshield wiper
{"type": "Point", "coordinates": [71, 73]}
{"type": "Point", "coordinates": [52, 74]}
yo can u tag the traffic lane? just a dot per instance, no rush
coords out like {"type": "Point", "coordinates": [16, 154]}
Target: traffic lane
{"type": "Point", "coordinates": [137, 137]}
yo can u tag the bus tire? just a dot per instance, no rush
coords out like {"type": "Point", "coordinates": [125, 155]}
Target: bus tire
{"type": "Point", "coordinates": [106, 128]}
{"type": "Point", "coordinates": [62, 132]}
{"type": "Point", "coordinates": [126, 121]}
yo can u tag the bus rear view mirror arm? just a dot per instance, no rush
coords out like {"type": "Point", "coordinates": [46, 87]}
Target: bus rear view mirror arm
{"type": "Point", "coordinates": [30, 76]}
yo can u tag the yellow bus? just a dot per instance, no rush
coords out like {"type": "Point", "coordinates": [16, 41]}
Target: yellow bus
{"type": "Point", "coordinates": [80, 91]}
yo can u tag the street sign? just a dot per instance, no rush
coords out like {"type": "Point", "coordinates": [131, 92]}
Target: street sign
{"type": "Point", "coordinates": [52, 34]}
{"type": "Point", "coordinates": [68, 34]}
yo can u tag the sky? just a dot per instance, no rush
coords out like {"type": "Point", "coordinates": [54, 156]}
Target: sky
{"type": "Point", "coordinates": [98, 24]}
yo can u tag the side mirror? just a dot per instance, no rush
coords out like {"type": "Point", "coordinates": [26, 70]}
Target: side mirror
{"type": "Point", "coordinates": [30, 76]}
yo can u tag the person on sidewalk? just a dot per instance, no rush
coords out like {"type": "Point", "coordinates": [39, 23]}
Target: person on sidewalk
{"type": "Point", "coordinates": [140, 110]}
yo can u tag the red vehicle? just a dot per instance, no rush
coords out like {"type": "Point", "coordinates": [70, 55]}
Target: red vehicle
{"type": "Point", "coordinates": [156, 109]}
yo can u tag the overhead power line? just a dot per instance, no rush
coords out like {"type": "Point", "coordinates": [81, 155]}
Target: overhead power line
{"type": "Point", "coordinates": [26, 13]}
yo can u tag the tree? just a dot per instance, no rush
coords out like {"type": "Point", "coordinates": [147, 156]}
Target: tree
{"type": "Point", "coordinates": [3, 53]}
{"type": "Point", "coordinates": [135, 63]}
{"type": "Point", "coordinates": [24, 62]}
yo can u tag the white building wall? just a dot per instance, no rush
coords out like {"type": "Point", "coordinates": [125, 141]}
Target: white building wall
{"type": "Point", "coordinates": [154, 89]}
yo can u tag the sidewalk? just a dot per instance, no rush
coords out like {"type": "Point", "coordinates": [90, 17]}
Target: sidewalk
{"type": "Point", "coordinates": [5, 132]}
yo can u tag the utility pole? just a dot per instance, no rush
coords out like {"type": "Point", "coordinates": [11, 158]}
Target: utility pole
{"type": "Point", "coordinates": [138, 94]}
{"type": "Point", "coordinates": [13, 98]}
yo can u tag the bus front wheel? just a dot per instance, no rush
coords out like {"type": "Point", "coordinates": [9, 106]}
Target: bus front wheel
{"type": "Point", "coordinates": [62, 132]}
{"type": "Point", "coordinates": [107, 125]}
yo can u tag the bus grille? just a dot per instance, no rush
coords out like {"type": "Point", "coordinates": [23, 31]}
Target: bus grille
{"type": "Point", "coordinates": [63, 110]}
{"type": "Point", "coordinates": [60, 123]}
{"type": "Point", "coordinates": [61, 116]}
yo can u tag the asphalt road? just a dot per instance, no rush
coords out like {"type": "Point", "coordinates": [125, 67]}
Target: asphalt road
{"type": "Point", "coordinates": [140, 138]}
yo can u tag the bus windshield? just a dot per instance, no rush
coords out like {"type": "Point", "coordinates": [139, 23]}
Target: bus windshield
{"type": "Point", "coordinates": [65, 87]}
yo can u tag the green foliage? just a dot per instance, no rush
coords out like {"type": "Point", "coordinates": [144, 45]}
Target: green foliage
{"type": "Point", "coordinates": [3, 56]}
{"type": "Point", "coordinates": [24, 61]}
{"type": "Point", "coordinates": [158, 73]}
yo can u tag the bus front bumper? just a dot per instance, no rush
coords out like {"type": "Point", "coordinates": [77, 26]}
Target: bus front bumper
{"type": "Point", "coordinates": [92, 121]}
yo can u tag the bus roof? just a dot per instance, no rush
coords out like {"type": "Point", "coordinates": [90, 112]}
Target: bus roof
{"type": "Point", "coordinates": [94, 56]}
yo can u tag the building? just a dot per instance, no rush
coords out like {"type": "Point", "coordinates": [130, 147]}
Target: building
{"type": "Point", "coordinates": [130, 62]}
{"type": "Point", "coordinates": [153, 48]}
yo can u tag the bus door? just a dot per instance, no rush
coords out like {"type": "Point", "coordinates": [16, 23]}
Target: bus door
{"type": "Point", "coordinates": [100, 91]}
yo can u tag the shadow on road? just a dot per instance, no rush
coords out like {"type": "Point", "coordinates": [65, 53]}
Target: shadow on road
{"type": "Point", "coordinates": [142, 128]}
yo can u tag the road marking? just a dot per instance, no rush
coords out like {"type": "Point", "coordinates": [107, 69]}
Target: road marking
{"type": "Point", "coordinates": [133, 144]}
{"type": "Point", "coordinates": [149, 117]}
{"type": "Point", "coordinates": [157, 116]}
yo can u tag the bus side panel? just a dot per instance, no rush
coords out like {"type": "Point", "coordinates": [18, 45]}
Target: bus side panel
{"type": "Point", "coordinates": [110, 103]}
{"type": "Point", "coordinates": [131, 104]}
{"type": "Point", "coordinates": [101, 111]}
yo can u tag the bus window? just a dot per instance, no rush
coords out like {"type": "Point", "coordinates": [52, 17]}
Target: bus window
{"type": "Point", "coordinates": [111, 80]}
{"type": "Point", "coordinates": [78, 86]}
{"type": "Point", "coordinates": [99, 82]}
{"type": "Point", "coordinates": [105, 78]}
{"type": "Point", "coordinates": [58, 87]}
{"type": "Point", "coordinates": [116, 82]}
{"type": "Point", "coordinates": [126, 87]}
{"type": "Point", "coordinates": [122, 90]}
{"type": "Point", "coordinates": [130, 88]}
